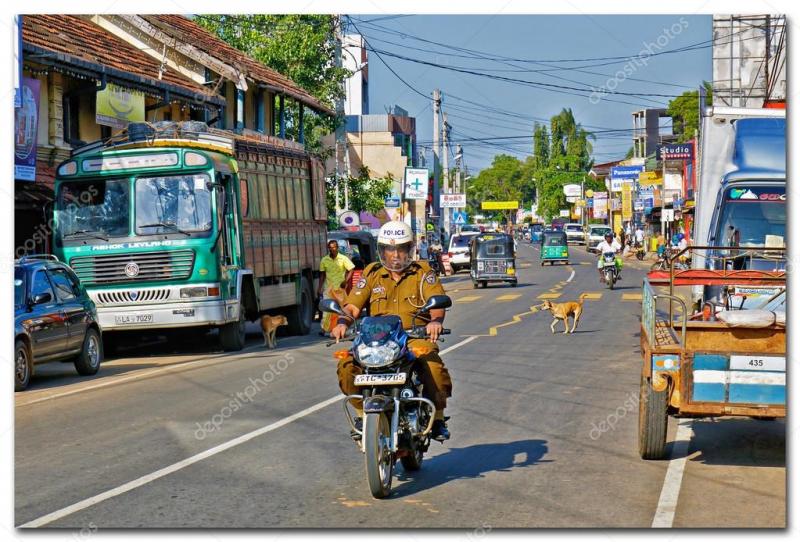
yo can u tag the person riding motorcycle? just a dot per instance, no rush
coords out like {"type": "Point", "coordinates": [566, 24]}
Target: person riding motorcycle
{"type": "Point", "coordinates": [609, 244]}
{"type": "Point", "coordinates": [400, 286]}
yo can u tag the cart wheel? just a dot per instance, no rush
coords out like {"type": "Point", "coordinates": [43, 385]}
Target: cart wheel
{"type": "Point", "coordinates": [652, 421]}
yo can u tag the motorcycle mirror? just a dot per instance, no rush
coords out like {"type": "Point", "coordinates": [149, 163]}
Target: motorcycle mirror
{"type": "Point", "coordinates": [330, 305]}
{"type": "Point", "coordinates": [437, 302]}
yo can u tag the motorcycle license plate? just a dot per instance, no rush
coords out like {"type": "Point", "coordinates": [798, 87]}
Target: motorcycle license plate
{"type": "Point", "coordinates": [380, 380]}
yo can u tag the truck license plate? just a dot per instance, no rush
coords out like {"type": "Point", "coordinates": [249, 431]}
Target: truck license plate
{"type": "Point", "coordinates": [133, 318]}
{"type": "Point", "coordinates": [380, 380]}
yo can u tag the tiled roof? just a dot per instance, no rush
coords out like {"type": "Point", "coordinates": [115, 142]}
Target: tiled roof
{"type": "Point", "coordinates": [190, 32]}
{"type": "Point", "coordinates": [80, 39]}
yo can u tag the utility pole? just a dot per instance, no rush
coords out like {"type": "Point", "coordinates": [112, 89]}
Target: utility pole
{"type": "Point", "coordinates": [437, 102]}
{"type": "Point", "coordinates": [445, 211]}
{"type": "Point", "coordinates": [340, 136]}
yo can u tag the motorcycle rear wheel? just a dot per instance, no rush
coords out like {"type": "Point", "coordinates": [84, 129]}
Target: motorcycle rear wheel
{"type": "Point", "coordinates": [378, 457]}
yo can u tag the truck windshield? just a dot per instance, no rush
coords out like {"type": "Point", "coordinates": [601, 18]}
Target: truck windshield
{"type": "Point", "coordinates": [96, 208]}
{"type": "Point", "coordinates": [174, 203]}
{"type": "Point", "coordinates": [753, 216]}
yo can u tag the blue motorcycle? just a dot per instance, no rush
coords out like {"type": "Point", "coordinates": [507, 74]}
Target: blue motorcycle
{"type": "Point", "coordinates": [397, 417]}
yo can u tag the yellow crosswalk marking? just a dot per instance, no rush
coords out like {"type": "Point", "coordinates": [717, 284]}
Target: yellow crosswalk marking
{"type": "Point", "coordinates": [508, 297]}
{"type": "Point", "coordinates": [468, 298]}
{"type": "Point", "coordinates": [592, 295]}
{"type": "Point", "coordinates": [631, 297]}
{"type": "Point", "coordinates": [549, 296]}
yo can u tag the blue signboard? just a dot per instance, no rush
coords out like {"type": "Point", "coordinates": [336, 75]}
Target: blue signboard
{"type": "Point", "coordinates": [459, 218]}
{"type": "Point", "coordinates": [392, 202]}
{"type": "Point", "coordinates": [626, 172]}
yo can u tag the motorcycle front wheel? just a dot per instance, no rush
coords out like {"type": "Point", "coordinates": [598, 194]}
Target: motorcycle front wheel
{"type": "Point", "coordinates": [610, 279]}
{"type": "Point", "coordinates": [378, 455]}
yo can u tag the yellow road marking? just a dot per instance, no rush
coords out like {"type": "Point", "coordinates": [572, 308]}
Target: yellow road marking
{"type": "Point", "coordinates": [631, 297]}
{"type": "Point", "coordinates": [549, 296]}
{"type": "Point", "coordinates": [517, 318]}
{"type": "Point", "coordinates": [468, 298]}
{"type": "Point", "coordinates": [508, 297]}
{"type": "Point", "coordinates": [592, 295]}
{"type": "Point", "coordinates": [584, 263]}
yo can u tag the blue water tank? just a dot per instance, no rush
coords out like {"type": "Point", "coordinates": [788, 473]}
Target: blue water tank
{"type": "Point", "coordinates": [760, 144]}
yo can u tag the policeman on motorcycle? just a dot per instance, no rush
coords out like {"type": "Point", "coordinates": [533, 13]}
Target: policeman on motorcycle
{"type": "Point", "coordinates": [399, 285]}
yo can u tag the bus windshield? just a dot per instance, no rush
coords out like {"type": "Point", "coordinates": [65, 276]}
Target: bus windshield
{"type": "Point", "coordinates": [751, 216]}
{"type": "Point", "coordinates": [174, 203]}
{"type": "Point", "coordinates": [97, 208]}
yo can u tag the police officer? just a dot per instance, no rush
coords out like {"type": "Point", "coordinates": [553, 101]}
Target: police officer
{"type": "Point", "coordinates": [399, 285]}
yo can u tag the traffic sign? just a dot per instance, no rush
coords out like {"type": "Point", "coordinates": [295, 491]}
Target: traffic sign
{"type": "Point", "coordinates": [459, 218]}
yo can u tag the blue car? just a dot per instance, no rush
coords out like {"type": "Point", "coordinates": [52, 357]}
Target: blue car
{"type": "Point", "coordinates": [54, 319]}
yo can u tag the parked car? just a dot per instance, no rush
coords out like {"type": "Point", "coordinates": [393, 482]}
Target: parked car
{"type": "Point", "coordinates": [595, 234]}
{"type": "Point", "coordinates": [575, 233]}
{"type": "Point", "coordinates": [458, 252]}
{"type": "Point", "coordinates": [470, 228]}
{"type": "Point", "coordinates": [54, 319]}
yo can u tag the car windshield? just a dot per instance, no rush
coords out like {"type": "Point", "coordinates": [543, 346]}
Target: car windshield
{"type": "Point", "coordinates": [167, 204]}
{"type": "Point", "coordinates": [19, 286]}
{"type": "Point", "coordinates": [460, 241]}
{"type": "Point", "coordinates": [99, 207]}
{"type": "Point", "coordinates": [600, 232]}
{"type": "Point", "coordinates": [753, 217]}
{"type": "Point", "coordinates": [573, 228]}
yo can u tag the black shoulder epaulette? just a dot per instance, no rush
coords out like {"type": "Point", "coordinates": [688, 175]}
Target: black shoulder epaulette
{"type": "Point", "coordinates": [372, 268]}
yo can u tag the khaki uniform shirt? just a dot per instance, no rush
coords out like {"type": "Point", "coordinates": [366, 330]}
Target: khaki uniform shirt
{"type": "Point", "coordinates": [384, 296]}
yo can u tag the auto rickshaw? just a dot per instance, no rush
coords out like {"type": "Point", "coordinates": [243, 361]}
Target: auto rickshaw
{"type": "Point", "coordinates": [554, 247]}
{"type": "Point", "coordinates": [492, 259]}
{"type": "Point", "coordinates": [536, 233]}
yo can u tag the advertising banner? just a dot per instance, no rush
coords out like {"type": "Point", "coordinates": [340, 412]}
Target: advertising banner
{"type": "Point", "coordinates": [627, 203]}
{"type": "Point", "coordinates": [499, 205]}
{"type": "Point", "coordinates": [453, 201]}
{"type": "Point", "coordinates": [117, 106]}
{"type": "Point", "coordinates": [26, 124]}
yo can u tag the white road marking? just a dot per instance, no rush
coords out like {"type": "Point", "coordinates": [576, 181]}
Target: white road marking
{"type": "Point", "coordinates": [668, 501]}
{"type": "Point", "coordinates": [146, 479]}
{"type": "Point", "coordinates": [571, 276]}
{"type": "Point", "coordinates": [113, 381]}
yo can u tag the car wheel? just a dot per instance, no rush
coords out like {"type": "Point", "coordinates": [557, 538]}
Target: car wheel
{"type": "Point", "coordinates": [23, 366]}
{"type": "Point", "coordinates": [88, 362]}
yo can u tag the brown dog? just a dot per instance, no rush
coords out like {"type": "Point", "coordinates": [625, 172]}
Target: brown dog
{"type": "Point", "coordinates": [562, 311]}
{"type": "Point", "coordinates": [269, 325]}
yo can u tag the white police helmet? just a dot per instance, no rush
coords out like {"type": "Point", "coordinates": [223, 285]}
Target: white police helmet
{"type": "Point", "coordinates": [396, 245]}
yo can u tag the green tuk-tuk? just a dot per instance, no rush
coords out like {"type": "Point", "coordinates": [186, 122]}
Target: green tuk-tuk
{"type": "Point", "coordinates": [492, 259]}
{"type": "Point", "coordinates": [554, 247]}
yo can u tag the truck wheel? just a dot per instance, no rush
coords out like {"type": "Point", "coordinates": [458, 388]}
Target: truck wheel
{"type": "Point", "coordinates": [232, 336]}
{"type": "Point", "coordinates": [652, 421]}
{"type": "Point", "coordinates": [88, 361]}
{"type": "Point", "coordinates": [301, 316]}
{"type": "Point", "coordinates": [23, 366]}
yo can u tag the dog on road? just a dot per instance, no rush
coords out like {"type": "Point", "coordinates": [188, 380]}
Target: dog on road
{"type": "Point", "coordinates": [269, 326]}
{"type": "Point", "coordinates": [562, 311]}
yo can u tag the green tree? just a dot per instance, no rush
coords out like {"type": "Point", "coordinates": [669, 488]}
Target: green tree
{"type": "Point", "coordinates": [685, 113]}
{"type": "Point", "coordinates": [364, 194]}
{"type": "Point", "coordinates": [301, 47]}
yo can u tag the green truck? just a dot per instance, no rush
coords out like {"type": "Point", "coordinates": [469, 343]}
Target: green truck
{"type": "Point", "coordinates": [177, 225]}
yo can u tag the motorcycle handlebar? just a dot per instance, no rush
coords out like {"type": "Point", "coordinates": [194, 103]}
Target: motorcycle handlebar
{"type": "Point", "coordinates": [418, 333]}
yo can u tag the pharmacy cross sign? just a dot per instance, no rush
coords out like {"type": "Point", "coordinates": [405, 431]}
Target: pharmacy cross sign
{"type": "Point", "coordinates": [416, 183]}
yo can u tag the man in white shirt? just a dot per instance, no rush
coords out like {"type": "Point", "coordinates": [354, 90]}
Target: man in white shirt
{"type": "Point", "coordinates": [639, 236]}
{"type": "Point", "coordinates": [609, 244]}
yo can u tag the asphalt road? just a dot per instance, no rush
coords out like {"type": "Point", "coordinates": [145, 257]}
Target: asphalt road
{"type": "Point", "coordinates": [173, 433]}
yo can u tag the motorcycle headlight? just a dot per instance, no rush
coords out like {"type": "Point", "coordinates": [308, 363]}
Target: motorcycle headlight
{"type": "Point", "coordinates": [378, 356]}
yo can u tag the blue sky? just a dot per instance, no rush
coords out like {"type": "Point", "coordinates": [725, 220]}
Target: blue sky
{"type": "Point", "coordinates": [598, 49]}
